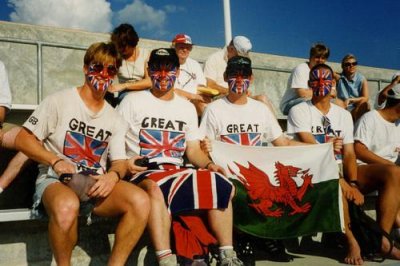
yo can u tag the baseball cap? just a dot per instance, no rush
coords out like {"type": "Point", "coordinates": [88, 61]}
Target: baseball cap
{"type": "Point", "coordinates": [239, 64]}
{"type": "Point", "coordinates": [242, 45]}
{"type": "Point", "coordinates": [182, 38]}
{"type": "Point", "coordinates": [395, 75]}
{"type": "Point", "coordinates": [163, 55]}
{"type": "Point", "coordinates": [394, 93]}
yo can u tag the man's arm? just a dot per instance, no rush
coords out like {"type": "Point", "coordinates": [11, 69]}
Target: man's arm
{"type": "Point", "coordinates": [303, 93]}
{"type": "Point", "coordinates": [212, 84]}
{"type": "Point", "coordinates": [383, 94]}
{"type": "Point", "coordinates": [364, 154]}
{"type": "Point", "coordinates": [200, 159]}
{"type": "Point", "coordinates": [105, 183]}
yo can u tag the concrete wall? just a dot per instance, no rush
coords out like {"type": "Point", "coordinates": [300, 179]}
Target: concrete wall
{"type": "Point", "coordinates": [62, 67]}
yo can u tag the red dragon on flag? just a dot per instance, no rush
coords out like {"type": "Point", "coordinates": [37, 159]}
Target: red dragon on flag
{"type": "Point", "coordinates": [264, 195]}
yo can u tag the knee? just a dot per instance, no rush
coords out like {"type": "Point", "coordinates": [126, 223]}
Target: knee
{"type": "Point", "coordinates": [154, 192]}
{"type": "Point", "coordinates": [140, 203]}
{"type": "Point", "coordinates": [65, 212]}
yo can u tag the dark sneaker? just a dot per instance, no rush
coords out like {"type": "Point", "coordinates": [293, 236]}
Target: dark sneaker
{"type": "Point", "coordinates": [275, 251]}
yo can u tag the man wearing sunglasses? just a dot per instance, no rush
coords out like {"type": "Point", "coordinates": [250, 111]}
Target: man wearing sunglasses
{"type": "Point", "coordinates": [163, 127]}
{"type": "Point", "coordinates": [352, 88]}
{"type": "Point", "coordinates": [80, 131]}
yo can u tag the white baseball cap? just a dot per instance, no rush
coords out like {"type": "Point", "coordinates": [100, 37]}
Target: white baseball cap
{"type": "Point", "coordinates": [242, 45]}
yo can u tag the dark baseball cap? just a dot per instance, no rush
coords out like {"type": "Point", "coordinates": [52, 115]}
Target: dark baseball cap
{"type": "Point", "coordinates": [163, 55]}
{"type": "Point", "coordinates": [239, 64]}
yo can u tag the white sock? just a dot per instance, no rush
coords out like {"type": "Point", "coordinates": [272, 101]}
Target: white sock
{"type": "Point", "coordinates": [162, 254]}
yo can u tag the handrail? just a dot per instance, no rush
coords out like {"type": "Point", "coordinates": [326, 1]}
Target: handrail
{"type": "Point", "coordinates": [39, 60]}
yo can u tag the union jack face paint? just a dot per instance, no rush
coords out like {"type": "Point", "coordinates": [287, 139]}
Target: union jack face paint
{"type": "Point", "coordinates": [100, 77]}
{"type": "Point", "coordinates": [163, 76]}
{"type": "Point", "coordinates": [321, 81]}
{"type": "Point", "coordinates": [238, 83]}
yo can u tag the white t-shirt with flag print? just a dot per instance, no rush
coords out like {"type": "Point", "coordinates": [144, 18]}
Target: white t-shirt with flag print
{"type": "Point", "coordinates": [248, 124]}
{"type": "Point", "coordinates": [305, 117]}
{"type": "Point", "coordinates": [73, 132]}
{"type": "Point", "coordinates": [158, 129]}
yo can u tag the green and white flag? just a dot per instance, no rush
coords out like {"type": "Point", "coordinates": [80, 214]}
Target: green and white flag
{"type": "Point", "coordinates": [283, 192]}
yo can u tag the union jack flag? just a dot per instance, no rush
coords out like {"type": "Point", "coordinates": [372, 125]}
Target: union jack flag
{"type": "Point", "coordinates": [84, 150]}
{"type": "Point", "coordinates": [188, 189]}
{"type": "Point", "coordinates": [159, 143]}
{"type": "Point", "coordinates": [321, 81]}
{"type": "Point", "coordinates": [246, 139]}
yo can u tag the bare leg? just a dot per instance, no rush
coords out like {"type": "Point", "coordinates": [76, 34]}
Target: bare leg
{"type": "Point", "coordinates": [17, 163]}
{"type": "Point", "coordinates": [62, 206]}
{"type": "Point", "coordinates": [385, 178]}
{"type": "Point", "coordinates": [353, 250]}
{"type": "Point", "coordinates": [133, 206]}
{"type": "Point", "coordinates": [159, 223]}
{"type": "Point", "coordinates": [221, 224]}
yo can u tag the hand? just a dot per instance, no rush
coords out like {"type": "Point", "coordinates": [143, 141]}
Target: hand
{"type": "Point", "coordinates": [351, 193]}
{"type": "Point", "coordinates": [216, 168]}
{"type": "Point", "coordinates": [338, 144]}
{"type": "Point", "coordinates": [64, 167]}
{"type": "Point", "coordinates": [133, 168]}
{"type": "Point", "coordinates": [104, 185]}
{"type": "Point", "coordinates": [205, 145]}
{"type": "Point", "coordinates": [116, 87]}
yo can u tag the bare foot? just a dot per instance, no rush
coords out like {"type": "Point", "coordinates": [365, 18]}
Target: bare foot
{"type": "Point", "coordinates": [354, 254]}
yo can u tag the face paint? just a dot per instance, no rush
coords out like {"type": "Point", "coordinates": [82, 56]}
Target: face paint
{"type": "Point", "coordinates": [100, 77]}
{"type": "Point", "coordinates": [238, 84]}
{"type": "Point", "coordinates": [321, 81]}
{"type": "Point", "coordinates": [163, 76]}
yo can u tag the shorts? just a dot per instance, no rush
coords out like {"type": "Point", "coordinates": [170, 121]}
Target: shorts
{"type": "Point", "coordinates": [38, 211]}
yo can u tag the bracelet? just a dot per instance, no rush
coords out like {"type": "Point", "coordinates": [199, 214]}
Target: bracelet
{"type": "Point", "coordinates": [118, 175]}
{"type": "Point", "coordinates": [353, 183]}
{"type": "Point", "coordinates": [56, 162]}
{"type": "Point", "coordinates": [210, 162]}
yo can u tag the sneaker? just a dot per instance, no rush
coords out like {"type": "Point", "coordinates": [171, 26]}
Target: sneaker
{"type": "Point", "coordinates": [275, 251]}
{"type": "Point", "coordinates": [229, 258]}
{"type": "Point", "coordinates": [169, 261]}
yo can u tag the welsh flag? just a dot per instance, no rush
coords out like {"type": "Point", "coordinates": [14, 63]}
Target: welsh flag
{"type": "Point", "coordinates": [283, 192]}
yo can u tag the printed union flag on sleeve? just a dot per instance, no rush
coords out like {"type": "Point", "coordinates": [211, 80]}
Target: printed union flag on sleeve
{"type": "Point", "coordinates": [283, 192]}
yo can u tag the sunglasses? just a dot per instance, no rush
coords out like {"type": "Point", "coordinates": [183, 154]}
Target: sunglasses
{"type": "Point", "coordinates": [350, 64]}
{"type": "Point", "coordinates": [98, 68]}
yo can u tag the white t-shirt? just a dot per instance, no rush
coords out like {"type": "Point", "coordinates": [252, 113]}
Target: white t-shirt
{"type": "Point", "coordinates": [73, 132]}
{"type": "Point", "coordinates": [298, 79]}
{"type": "Point", "coordinates": [379, 135]}
{"type": "Point", "coordinates": [248, 124]}
{"type": "Point", "coordinates": [133, 71]}
{"type": "Point", "coordinates": [190, 76]}
{"type": "Point", "coordinates": [305, 117]}
{"type": "Point", "coordinates": [5, 94]}
{"type": "Point", "coordinates": [215, 66]}
{"type": "Point", "coordinates": [158, 129]}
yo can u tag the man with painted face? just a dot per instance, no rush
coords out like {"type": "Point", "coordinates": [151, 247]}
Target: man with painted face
{"type": "Point", "coordinates": [163, 127]}
{"type": "Point", "coordinates": [239, 119]}
{"type": "Point", "coordinates": [80, 131]}
{"type": "Point", "coordinates": [319, 121]}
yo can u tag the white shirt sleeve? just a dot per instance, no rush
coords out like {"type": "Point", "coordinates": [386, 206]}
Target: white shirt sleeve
{"type": "Point", "coordinates": [5, 93]}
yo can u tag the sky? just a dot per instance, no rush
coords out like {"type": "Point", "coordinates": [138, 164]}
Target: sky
{"type": "Point", "coordinates": [369, 29]}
